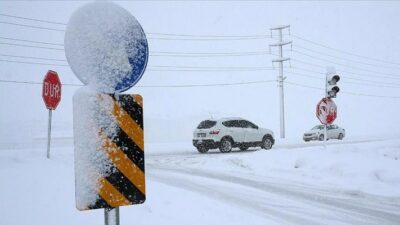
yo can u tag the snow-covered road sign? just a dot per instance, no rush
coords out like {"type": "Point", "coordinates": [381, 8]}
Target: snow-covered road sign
{"type": "Point", "coordinates": [326, 111]}
{"type": "Point", "coordinates": [51, 91]}
{"type": "Point", "coordinates": [109, 150]}
{"type": "Point", "coordinates": [106, 47]}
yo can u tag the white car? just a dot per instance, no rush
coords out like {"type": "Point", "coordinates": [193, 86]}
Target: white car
{"type": "Point", "coordinates": [228, 133]}
{"type": "Point", "coordinates": [317, 133]}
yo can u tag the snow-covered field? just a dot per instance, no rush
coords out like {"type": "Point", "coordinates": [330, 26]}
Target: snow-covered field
{"type": "Point", "coordinates": [350, 182]}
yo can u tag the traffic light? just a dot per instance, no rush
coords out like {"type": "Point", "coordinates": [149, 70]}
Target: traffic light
{"type": "Point", "coordinates": [331, 88]}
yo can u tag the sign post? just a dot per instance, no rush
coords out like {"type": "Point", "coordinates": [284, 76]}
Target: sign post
{"type": "Point", "coordinates": [108, 125]}
{"type": "Point", "coordinates": [51, 94]}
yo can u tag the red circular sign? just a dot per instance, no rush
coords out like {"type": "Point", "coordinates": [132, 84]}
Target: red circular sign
{"type": "Point", "coordinates": [51, 91]}
{"type": "Point", "coordinates": [326, 111]}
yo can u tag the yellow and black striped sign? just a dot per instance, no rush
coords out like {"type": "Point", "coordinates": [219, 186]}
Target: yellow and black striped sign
{"type": "Point", "coordinates": [125, 183]}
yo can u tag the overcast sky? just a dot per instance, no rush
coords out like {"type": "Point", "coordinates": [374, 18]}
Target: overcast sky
{"type": "Point", "coordinates": [367, 29]}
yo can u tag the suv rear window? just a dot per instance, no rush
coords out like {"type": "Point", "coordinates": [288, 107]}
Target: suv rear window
{"type": "Point", "coordinates": [206, 124]}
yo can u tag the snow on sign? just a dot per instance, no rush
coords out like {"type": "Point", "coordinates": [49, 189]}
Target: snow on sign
{"type": "Point", "coordinates": [107, 50]}
{"type": "Point", "coordinates": [326, 111]}
{"type": "Point", "coordinates": [51, 91]}
{"type": "Point", "coordinates": [106, 47]}
{"type": "Point", "coordinates": [109, 150]}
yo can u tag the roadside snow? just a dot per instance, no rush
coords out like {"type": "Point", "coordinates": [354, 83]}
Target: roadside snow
{"type": "Point", "coordinates": [353, 183]}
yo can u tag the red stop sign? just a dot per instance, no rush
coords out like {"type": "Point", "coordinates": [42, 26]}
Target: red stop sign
{"type": "Point", "coordinates": [51, 92]}
{"type": "Point", "coordinates": [326, 111]}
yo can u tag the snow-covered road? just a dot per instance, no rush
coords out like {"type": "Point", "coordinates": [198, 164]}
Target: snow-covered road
{"type": "Point", "coordinates": [277, 197]}
{"type": "Point", "coordinates": [352, 182]}
{"type": "Point", "coordinates": [281, 200]}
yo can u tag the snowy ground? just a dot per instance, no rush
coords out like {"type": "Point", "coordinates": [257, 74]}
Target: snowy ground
{"type": "Point", "coordinates": [350, 182]}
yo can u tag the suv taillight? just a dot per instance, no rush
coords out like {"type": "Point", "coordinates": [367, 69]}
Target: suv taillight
{"type": "Point", "coordinates": [214, 132]}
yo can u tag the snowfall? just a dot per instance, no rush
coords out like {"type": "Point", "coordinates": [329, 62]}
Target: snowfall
{"type": "Point", "coordinates": [354, 181]}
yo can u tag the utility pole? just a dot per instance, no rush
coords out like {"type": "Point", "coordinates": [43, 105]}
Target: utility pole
{"type": "Point", "coordinates": [281, 78]}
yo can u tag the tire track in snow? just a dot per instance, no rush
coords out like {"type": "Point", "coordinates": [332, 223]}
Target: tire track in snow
{"type": "Point", "coordinates": [345, 209]}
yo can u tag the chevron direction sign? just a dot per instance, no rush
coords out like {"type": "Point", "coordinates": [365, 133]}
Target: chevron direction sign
{"type": "Point", "coordinates": [109, 150]}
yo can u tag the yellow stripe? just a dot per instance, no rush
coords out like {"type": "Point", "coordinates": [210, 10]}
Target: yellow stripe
{"type": "Point", "coordinates": [124, 164]}
{"type": "Point", "coordinates": [128, 125]}
{"type": "Point", "coordinates": [138, 99]}
{"type": "Point", "coordinates": [111, 195]}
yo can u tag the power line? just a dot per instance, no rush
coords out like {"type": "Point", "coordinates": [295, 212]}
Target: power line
{"type": "Point", "coordinates": [207, 54]}
{"type": "Point", "coordinates": [213, 67]}
{"type": "Point", "coordinates": [36, 42]}
{"type": "Point", "coordinates": [205, 39]}
{"type": "Point", "coordinates": [212, 36]}
{"type": "Point", "coordinates": [34, 63]}
{"type": "Point", "coordinates": [30, 26]}
{"type": "Point", "coordinates": [342, 51]}
{"type": "Point", "coordinates": [210, 85]}
{"type": "Point", "coordinates": [26, 18]}
{"type": "Point", "coordinates": [31, 46]}
{"type": "Point", "coordinates": [195, 37]}
{"type": "Point", "coordinates": [346, 82]}
{"type": "Point", "coordinates": [350, 78]}
{"type": "Point", "coordinates": [154, 53]}
{"type": "Point", "coordinates": [167, 68]}
{"type": "Point", "coordinates": [344, 92]}
{"type": "Point", "coordinates": [31, 57]}
{"type": "Point", "coordinates": [157, 86]}
{"type": "Point", "coordinates": [344, 65]}
{"type": "Point", "coordinates": [344, 59]}
{"type": "Point", "coordinates": [201, 69]}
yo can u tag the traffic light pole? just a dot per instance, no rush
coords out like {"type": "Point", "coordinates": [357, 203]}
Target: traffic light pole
{"type": "Point", "coordinates": [280, 60]}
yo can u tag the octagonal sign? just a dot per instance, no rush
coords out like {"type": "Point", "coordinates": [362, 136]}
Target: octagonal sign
{"type": "Point", "coordinates": [51, 91]}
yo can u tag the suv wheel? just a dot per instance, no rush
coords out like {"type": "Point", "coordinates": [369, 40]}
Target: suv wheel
{"type": "Point", "coordinates": [340, 136]}
{"type": "Point", "coordinates": [266, 143]}
{"type": "Point", "coordinates": [202, 149]}
{"type": "Point", "coordinates": [225, 145]}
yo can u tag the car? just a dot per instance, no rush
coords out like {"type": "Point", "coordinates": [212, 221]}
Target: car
{"type": "Point", "coordinates": [317, 133]}
{"type": "Point", "coordinates": [228, 133]}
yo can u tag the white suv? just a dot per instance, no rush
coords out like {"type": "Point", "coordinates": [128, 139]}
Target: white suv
{"type": "Point", "coordinates": [228, 133]}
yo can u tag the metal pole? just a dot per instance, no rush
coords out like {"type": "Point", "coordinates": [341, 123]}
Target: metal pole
{"type": "Point", "coordinates": [49, 135]}
{"type": "Point", "coordinates": [325, 134]}
{"type": "Point", "coordinates": [281, 94]}
{"type": "Point", "coordinates": [111, 216]}
{"type": "Point", "coordinates": [326, 96]}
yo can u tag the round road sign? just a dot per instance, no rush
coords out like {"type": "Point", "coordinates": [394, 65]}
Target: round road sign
{"type": "Point", "coordinates": [326, 111]}
{"type": "Point", "coordinates": [106, 47]}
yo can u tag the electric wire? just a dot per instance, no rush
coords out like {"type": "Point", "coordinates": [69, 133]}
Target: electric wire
{"type": "Point", "coordinates": [343, 92]}
{"type": "Point", "coordinates": [350, 78]}
{"type": "Point", "coordinates": [31, 19]}
{"type": "Point", "coordinates": [342, 51]}
{"type": "Point", "coordinates": [390, 76]}
{"type": "Point", "coordinates": [157, 86]}
{"type": "Point", "coordinates": [30, 41]}
{"type": "Point", "coordinates": [31, 26]}
{"type": "Point", "coordinates": [341, 58]}
{"type": "Point", "coordinates": [202, 37]}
